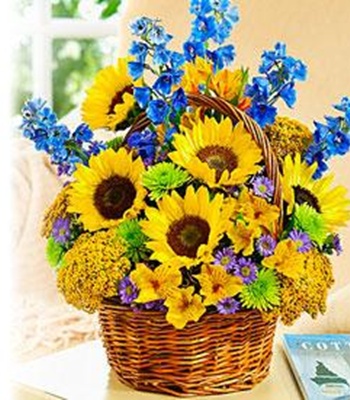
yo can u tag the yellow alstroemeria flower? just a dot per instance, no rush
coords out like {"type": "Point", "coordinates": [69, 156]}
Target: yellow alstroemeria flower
{"type": "Point", "coordinates": [286, 259]}
{"type": "Point", "coordinates": [217, 284]}
{"type": "Point", "coordinates": [243, 236]}
{"type": "Point", "coordinates": [183, 307]}
{"type": "Point", "coordinates": [155, 284]}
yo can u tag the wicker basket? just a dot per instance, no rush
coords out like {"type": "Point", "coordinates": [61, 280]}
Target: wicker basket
{"type": "Point", "coordinates": [219, 354]}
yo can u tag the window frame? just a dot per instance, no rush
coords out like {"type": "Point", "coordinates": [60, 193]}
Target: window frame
{"type": "Point", "coordinates": [43, 29]}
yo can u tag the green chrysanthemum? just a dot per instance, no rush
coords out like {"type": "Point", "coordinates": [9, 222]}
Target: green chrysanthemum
{"type": "Point", "coordinates": [54, 253]}
{"type": "Point", "coordinates": [163, 177]}
{"type": "Point", "coordinates": [264, 293]}
{"type": "Point", "coordinates": [133, 239]}
{"type": "Point", "coordinates": [310, 221]}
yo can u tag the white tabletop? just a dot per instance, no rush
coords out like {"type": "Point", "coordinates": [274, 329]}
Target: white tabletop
{"type": "Point", "coordinates": [82, 373]}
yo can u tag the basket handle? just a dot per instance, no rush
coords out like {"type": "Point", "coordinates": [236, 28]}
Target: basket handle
{"type": "Point", "coordinates": [236, 115]}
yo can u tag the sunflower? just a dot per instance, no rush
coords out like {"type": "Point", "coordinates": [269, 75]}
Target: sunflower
{"type": "Point", "coordinates": [299, 187]}
{"type": "Point", "coordinates": [216, 152]}
{"type": "Point", "coordinates": [110, 98]}
{"type": "Point", "coordinates": [184, 231]}
{"type": "Point", "coordinates": [108, 190]}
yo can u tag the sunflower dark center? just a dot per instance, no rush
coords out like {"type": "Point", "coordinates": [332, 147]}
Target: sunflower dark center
{"type": "Point", "coordinates": [219, 158]}
{"type": "Point", "coordinates": [114, 196]}
{"type": "Point", "coordinates": [118, 98]}
{"type": "Point", "coordinates": [186, 235]}
{"type": "Point", "coordinates": [303, 196]}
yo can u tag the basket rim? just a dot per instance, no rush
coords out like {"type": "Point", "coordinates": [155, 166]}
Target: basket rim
{"type": "Point", "coordinates": [110, 303]}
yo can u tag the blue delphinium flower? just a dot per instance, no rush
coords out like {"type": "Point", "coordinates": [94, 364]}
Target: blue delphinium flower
{"type": "Point", "coordinates": [142, 95]}
{"type": "Point", "coordinates": [179, 100]}
{"type": "Point", "coordinates": [140, 26]}
{"type": "Point", "coordinates": [214, 21]}
{"type": "Point", "coordinates": [161, 55]}
{"type": "Point", "coordinates": [279, 72]}
{"type": "Point", "coordinates": [203, 28]}
{"type": "Point", "coordinates": [145, 144]}
{"type": "Point", "coordinates": [164, 84]}
{"type": "Point", "coordinates": [200, 7]}
{"type": "Point", "coordinates": [64, 147]}
{"type": "Point", "coordinates": [139, 50]}
{"type": "Point", "coordinates": [136, 69]}
{"type": "Point", "coordinates": [157, 111]}
{"type": "Point", "coordinates": [330, 139]}
{"type": "Point", "coordinates": [194, 49]}
{"type": "Point", "coordinates": [158, 35]}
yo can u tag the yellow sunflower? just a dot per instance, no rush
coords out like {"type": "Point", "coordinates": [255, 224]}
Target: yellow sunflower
{"type": "Point", "coordinates": [299, 187]}
{"type": "Point", "coordinates": [110, 98]}
{"type": "Point", "coordinates": [184, 231]}
{"type": "Point", "coordinates": [108, 190]}
{"type": "Point", "coordinates": [216, 152]}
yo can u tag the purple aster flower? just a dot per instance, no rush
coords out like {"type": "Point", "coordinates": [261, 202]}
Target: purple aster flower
{"type": "Point", "coordinates": [226, 258]}
{"type": "Point", "coordinates": [246, 270]}
{"type": "Point", "coordinates": [156, 305]}
{"type": "Point", "coordinates": [263, 187]}
{"type": "Point", "coordinates": [266, 245]}
{"type": "Point", "coordinates": [61, 230]}
{"type": "Point", "coordinates": [127, 290]}
{"type": "Point", "coordinates": [337, 244]}
{"type": "Point", "coordinates": [228, 306]}
{"type": "Point", "coordinates": [302, 240]}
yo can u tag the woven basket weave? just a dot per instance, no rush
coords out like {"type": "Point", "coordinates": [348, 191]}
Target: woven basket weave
{"type": "Point", "coordinates": [219, 354]}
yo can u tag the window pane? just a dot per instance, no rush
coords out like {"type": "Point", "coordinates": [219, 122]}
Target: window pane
{"type": "Point", "coordinates": [74, 67]}
{"type": "Point", "coordinates": [23, 8]}
{"type": "Point", "coordinates": [84, 9]}
{"type": "Point", "coordinates": [22, 85]}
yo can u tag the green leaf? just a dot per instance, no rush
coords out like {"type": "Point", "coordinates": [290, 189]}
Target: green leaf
{"type": "Point", "coordinates": [115, 143]}
{"type": "Point", "coordinates": [54, 253]}
{"type": "Point", "coordinates": [111, 8]}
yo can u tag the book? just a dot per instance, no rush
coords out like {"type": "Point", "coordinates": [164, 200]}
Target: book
{"type": "Point", "coordinates": [321, 365]}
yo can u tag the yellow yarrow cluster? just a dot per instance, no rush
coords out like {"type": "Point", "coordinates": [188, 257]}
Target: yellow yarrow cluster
{"type": "Point", "coordinates": [309, 292]}
{"type": "Point", "coordinates": [92, 269]}
{"type": "Point", "coordinates": [288, 136]}
{"type": "Point", "coordinates": [57, 209]}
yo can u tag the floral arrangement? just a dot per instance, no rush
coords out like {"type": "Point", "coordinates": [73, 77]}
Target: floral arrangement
{"type": "Point", "coordinates": [176, 212]}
